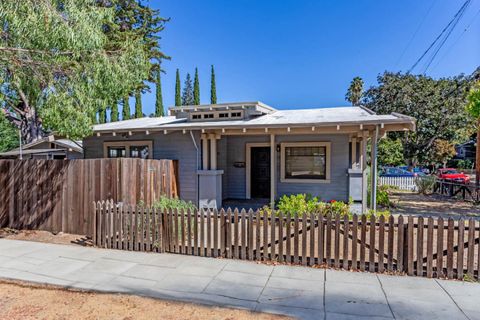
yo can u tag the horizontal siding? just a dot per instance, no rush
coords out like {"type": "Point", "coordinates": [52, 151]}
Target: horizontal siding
{"type": "Point", "coordinates": [174, 146]}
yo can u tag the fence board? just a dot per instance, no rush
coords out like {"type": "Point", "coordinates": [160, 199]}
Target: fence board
{"type": "Point", "coordinates": [120, 226]}
{"type": "Point", "coordinates": [56, 195]}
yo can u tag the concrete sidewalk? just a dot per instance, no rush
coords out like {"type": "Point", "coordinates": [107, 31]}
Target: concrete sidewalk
{"type": "Point", "coordinates": [301, 292]}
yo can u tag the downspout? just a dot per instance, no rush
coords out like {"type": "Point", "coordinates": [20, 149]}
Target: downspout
{"type": "Point", "coordinates": [198, 162]}
{"type": "Point", "coordinates": [373, 171]}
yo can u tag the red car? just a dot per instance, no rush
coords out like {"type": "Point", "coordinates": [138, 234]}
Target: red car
{"type": "Point", "coordinates": [450, 174]}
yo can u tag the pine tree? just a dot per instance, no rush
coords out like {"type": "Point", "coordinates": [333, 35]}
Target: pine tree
{"type": "Point", "coordinates": [159, 112]}
{"type": "Point", "coordinates": [213, 88]}
{"type": "Point", "coordinates": [114, 112]}
{"type": "Point", "coordinates": [196, 89]}
{"type": "Point", "coordinates": [138, 104]}
{"type": "Point", "coordinates": [178, 99]}
{"type": "Point", "coordinates": [187, 96]}
{"type": "Point", "coordinates": [125, 109]}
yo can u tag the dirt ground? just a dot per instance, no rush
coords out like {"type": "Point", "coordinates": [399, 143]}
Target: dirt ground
{"type": "Point", "coordinates": [432, 205]}
{"type": "Point", "coordinates": [25, 301]}
{"type": "Point", "coordinates": [45, 236]}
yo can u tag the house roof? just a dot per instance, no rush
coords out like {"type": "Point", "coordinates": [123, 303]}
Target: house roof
{"type": "Point", "coordinates": [64, 144]}
{"type": "Point", "coordinates": [17, 152]}
{"type": "Point", "coordinates": [277, 118]}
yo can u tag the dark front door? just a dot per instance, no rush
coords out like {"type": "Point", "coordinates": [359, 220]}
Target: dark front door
{"type": "Point", "coordinates": [260, 172]}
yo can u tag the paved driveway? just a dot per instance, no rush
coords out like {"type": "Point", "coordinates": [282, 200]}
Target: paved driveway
{"type": "Point", "coordinates": [301, 292]}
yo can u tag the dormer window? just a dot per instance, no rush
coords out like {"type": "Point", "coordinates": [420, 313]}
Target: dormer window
{"type": "Point", "coordinates": [208, 116]}
{"type": "Point", "coordinates": [223, 115]}
{"type": "Point", "coordinates": [235, 114]}
{"type": "Point", "coordinates": [196, 116]}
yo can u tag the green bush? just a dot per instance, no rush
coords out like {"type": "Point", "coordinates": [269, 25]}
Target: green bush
{"type": "Point", "coordinates": [425, 184]}
{"type": "Point", "coordinates": [165, 203]}
{"type": "Point", "coordinates": [298, 203]}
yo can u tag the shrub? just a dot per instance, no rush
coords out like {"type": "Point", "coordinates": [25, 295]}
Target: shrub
{"type": "Point", "coordinates": [378, 214]}
{"type": "Point", "coordinates": [165, 203]}
{"type": "Point", "coordinates": [425, 184]}
{"type": "Point", "coordinates": [298, 203]}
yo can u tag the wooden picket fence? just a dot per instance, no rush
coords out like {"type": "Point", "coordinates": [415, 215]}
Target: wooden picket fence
{"type": "Point", "coordinates": [412, 245]}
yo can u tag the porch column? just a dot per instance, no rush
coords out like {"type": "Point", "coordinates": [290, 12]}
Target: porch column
{"type": "Point", "coordinates": [204, 152]}
{"type": "Point", "coordinates": [213, 151]}
{"type": "Point", "coordinates": [363, 163]}
{"type": "Point", "coordinates": [272, 170]}
{"type": "Point", "coordinates": [373, 171]}
{"type": "Point", "coordinates": [354, 153]}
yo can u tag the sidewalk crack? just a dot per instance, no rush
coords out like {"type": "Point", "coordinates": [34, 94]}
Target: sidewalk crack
{"type": "Point", "coordinates": [386, 298]}
{"type": "Point", "coordinates": [455, 302]}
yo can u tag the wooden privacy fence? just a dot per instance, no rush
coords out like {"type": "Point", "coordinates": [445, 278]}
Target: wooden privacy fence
{"type": "Point", "coordinates": [402, 183]}
{"type": "Point", "coordinates": [56, 195]}
{"type": "Point", "coordinates": [416, 246]}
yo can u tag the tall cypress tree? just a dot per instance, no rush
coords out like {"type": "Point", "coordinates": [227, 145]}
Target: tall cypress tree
{"type": "Point", "coordinates": [114, 112]}
{"type": "Point", "coordinates": [159, 112]}
{"type": "Point", "coordinates": [187, 96]}
{"type": "Point", "coordinates": [213, 88]}
{"type": "Point", "coordinates": [178, 98]}
{"type": "Point", "coordinates": [138, 104]}
{"type": "Point", "coordinates": [196, 89]}
{"type": "Point", "coordinates": [102, 116]}
{"type": "Point", "coordinates": [125, 108]}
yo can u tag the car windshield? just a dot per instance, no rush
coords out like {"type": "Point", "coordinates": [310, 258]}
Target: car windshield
{"type": "Point", "coordinates": [450, 171]}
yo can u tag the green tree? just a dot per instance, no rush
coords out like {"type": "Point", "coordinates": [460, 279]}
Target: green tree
{"type": "Point", "coordinates": [138, 104]}
{"type": "Point", "coordinates": [125, 108]}
{"type": "Point", "coordinates": [187, 96]}
{"type": "Point", "coordinates": [443, 151]}
{"type": "Point", "coordinates": [213, 88]}
{"type": "Point", "coordinates": [437, 105]}
{"type": "Point", "coordinates": [114, 112]}
{"type": "Point", "coordinates": [8, 134]}
{"type": "Point", "coordinates": [102, 115]}
{"type": "Point", "coordinates": [77, 57]}
{"type": "Point", "coordinates": [196, 89]}
{"type": "Point", "coordinates": [355, 91]}
{"type": "Point", "coordinates": [473, 108]}
{"type": "Point", "coordinates": [159, 111]}
{"type": "Point", "coordinates": [178, 98]}
{"type": "Point", "coordinates": [390, 152]}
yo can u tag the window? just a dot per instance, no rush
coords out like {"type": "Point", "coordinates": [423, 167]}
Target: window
{"type": "Point", "coordinates": [131, 149]}
{"type": "Point", "coordinates": [236, 114]}
{"type": "Point", "coordinates": [305, 162]}
{"type": "Point", "coordinates": [208, 116]}
{"type": "Point", "coordinates": [196, 116]}
{"type": "Point", "coordinates": [223, 115]}
{"type": "Point", "coordinates": [139, 152]}
{"type": "Point", "coordinates": [116, 152]}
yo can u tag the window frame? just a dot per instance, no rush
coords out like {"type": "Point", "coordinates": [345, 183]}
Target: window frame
{"type": "Point", "coordinates": [285, 145]}
{"type": "Point", "coordinates": [127, 145]}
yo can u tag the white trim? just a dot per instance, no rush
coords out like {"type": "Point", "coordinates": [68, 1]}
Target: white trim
{"type": "Point", "coordinates": [127, 145]}
{"type": "Point", "coordinates": [248, 168]}
{"type": "Point", "coordinates": [327, 146]}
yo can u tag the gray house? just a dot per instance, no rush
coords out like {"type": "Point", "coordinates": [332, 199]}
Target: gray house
{"type": "Point", "coordinates": [251, 153]}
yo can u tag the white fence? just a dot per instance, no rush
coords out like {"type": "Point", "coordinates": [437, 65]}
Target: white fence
{"type": "Point", "coordinates": [403, 183]}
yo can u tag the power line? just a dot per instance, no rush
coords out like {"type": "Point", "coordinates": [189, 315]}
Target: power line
{"type": "Point", "coordinates": [458, 39]}
{"type": "Point", "coordinates": [415, 33]}
{"type": "Point", "coordinates": [454, 20]}
{"type": "Point", "coordinates": [444, 40]}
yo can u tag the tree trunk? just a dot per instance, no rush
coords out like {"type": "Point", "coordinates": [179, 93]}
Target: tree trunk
{"type": "Point", "coordinates": [30, 126]}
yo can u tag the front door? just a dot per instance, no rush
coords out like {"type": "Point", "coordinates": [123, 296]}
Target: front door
{"type": "Point", "coordinates": [260, 172]}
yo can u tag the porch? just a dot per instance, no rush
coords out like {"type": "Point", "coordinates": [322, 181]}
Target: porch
{"type": "Point", "coordinates": [253, 169]}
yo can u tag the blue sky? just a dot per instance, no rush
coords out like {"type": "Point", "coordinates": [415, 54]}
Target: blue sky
{"type": "Point", "coordinates": [303, 54]}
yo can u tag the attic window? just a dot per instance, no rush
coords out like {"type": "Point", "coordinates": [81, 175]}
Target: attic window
{"type": "Point", "coordinates": [196, 116]}
{"type": "Point", "coordinates": [223, 115]}
{"type": "Point", "coordinates": [236, 114]}
{"type": "Point", "coordinates": [208, 116]}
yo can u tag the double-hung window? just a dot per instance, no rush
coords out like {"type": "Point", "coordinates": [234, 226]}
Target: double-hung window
{"type": "Point", "coordinates": [305, 162]}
